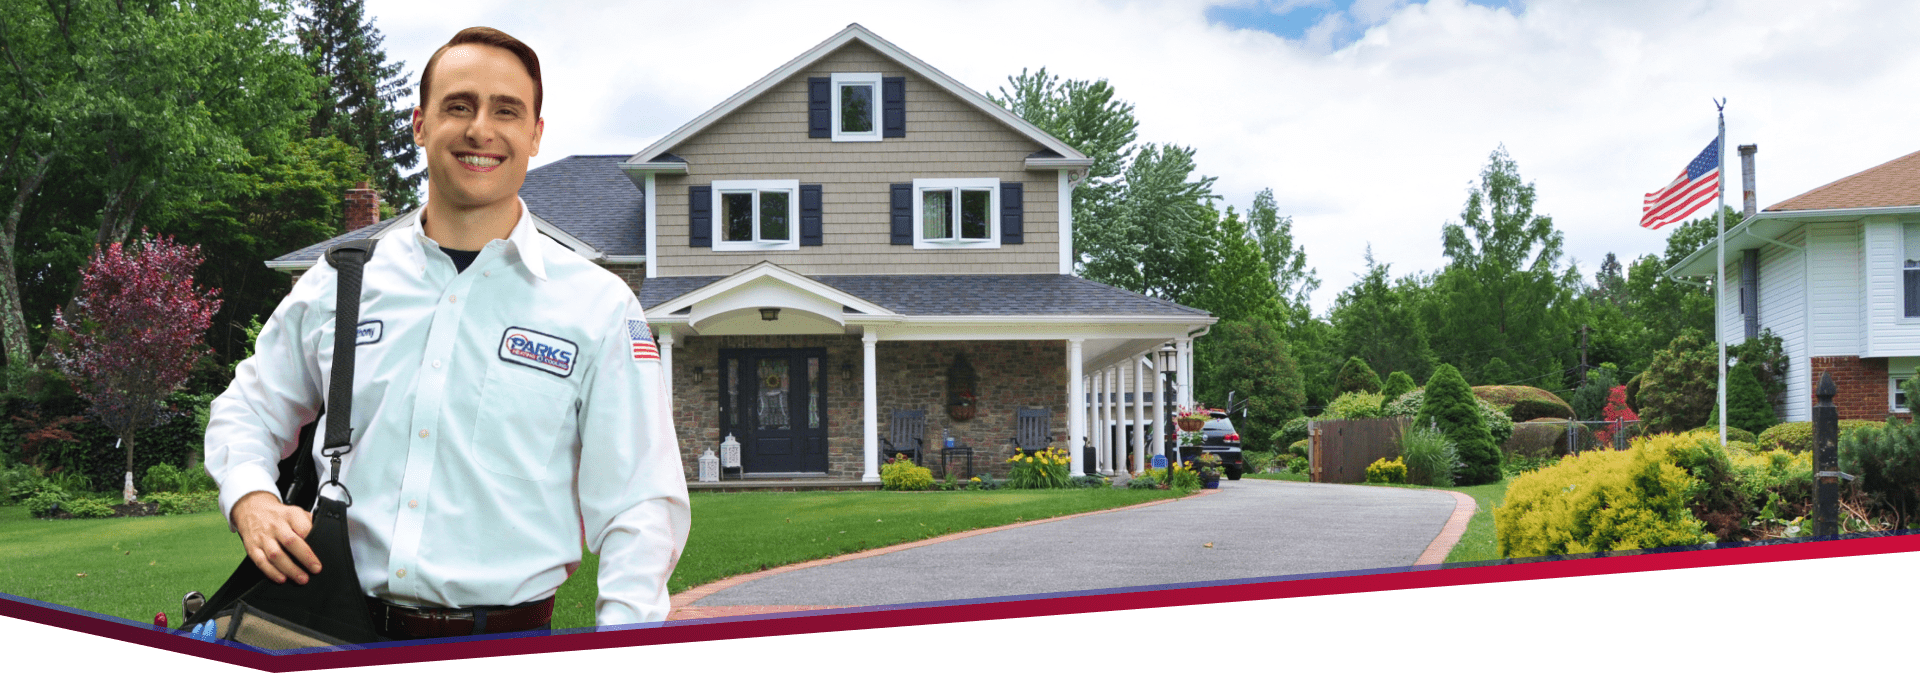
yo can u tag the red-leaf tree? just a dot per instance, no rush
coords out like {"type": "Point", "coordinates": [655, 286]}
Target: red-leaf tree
{"type": "Point", "coordinates": [134, 333]}
{"type": "Point", "coordinates": [1617, 414]}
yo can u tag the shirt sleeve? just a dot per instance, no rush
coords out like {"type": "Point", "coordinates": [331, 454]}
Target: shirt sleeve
{"type": "Point", "coordinates": [632, 486]}
{"type": "Point", "coordinates": [256, 422]}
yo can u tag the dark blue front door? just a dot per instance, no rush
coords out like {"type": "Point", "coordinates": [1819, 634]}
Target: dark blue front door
{"type": "Point", "coordinates": [774, 402]}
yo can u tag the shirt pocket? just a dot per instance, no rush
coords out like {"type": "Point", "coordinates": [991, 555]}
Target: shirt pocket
{"type": "Point", "coordinates": [519, 420]}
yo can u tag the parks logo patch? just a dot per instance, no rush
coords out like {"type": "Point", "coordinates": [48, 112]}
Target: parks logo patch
{"type": "Point", "coordinates": [545, 352]}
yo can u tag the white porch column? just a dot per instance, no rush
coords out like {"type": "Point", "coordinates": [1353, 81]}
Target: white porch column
{"type": "Point", "coordinates": [1100, 420]}
{"type": "Point", "coordinates": [1185, 374]}
{"type": "Point", "coordinates": [1159, 409]}
{"type": "Point", "coordinates": [1076, 406]}
{"type": "Point", "coordinates": [1114, 436]}
{"type": "Point", "coordinates": [1139, 415]}
{"type": "Point", "coordinates": [666, 360]}
{"type": "Point", "coordinates": [870, 404]}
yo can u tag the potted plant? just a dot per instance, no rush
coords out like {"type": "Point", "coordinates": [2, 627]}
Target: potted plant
{"type": "Point", "coordinates": [1207, 466]}
{"type": "Point", "coordinates": [963, 407]}
{"type": "Point", "coordinates": [1191, 420]}
{"type": "Point", "coordinates": [1191, 445]}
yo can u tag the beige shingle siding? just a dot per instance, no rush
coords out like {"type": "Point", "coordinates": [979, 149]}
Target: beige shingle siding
{"type": "Point", "coordinates": [766, 139]}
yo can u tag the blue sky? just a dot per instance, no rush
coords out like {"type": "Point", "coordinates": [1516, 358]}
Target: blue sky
{"type": "Point", "coordinates": [1329, 24]}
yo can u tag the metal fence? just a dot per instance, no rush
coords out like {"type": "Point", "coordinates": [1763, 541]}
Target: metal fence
{"type": "Point", "coordinates": [1343, 449]}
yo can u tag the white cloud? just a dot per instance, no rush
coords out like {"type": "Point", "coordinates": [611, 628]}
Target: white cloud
{"type": "Point", "coordinates": [1374, 142]}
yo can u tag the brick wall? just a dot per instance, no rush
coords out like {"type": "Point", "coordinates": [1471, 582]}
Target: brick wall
{"type": "Point", "coordinates": [912, 375]}
{"type": "Point", "coordinates": [1860, 385]}
{"type": "Point", "coordinates": [363, 207]}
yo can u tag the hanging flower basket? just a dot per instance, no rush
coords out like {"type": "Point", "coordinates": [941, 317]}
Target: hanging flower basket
{"type": "Point", "coordinates": [960, 412]}
{"type": "Point", "coordinates": [1190, 424]}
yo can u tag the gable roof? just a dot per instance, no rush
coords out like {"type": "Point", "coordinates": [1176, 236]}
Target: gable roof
{"type": "Point", "coordinates": [586, 203]}
{"type": "Point", "coordinates": [969, 295]}
{"type": "Point", "coordinates": [1892, 184]}
{"type": "Point", "coordinates": [855, 32]}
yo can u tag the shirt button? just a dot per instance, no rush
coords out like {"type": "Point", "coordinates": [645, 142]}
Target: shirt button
{"type": "Point", "coordinates": [451, 299]}
{"type": "Point", "coordinates": [488, 274]}
{"type": "Point", "coordinates": [401, 572]}
{"type": "Point", "coordinates": [423, 434]}
{"type": "Point", "coordinates": [412, 504]}
{"type": "Point", "coordinates": [436, 364]}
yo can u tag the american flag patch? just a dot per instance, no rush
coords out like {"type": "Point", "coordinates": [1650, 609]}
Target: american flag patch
{"type": "Point", "coordinates": [642, 337]}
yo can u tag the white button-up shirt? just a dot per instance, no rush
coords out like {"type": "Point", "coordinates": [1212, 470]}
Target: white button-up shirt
{"type": "Point", "coordinates": [495, 412]}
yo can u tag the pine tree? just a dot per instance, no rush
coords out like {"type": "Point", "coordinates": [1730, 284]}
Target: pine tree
{"type": "Point", "coordinates": [1496, 373]}
{"type": "Point", "coordinates": [1356, 376]}
{"type": "Point", "coordinates": [361, 101]}
{"type": "Point", "coordinates": [1398, 383]}
{"type": "Point", "coordinates": [1449, 405]}
{"type": "Point", "coordinates": [1677, 392]}
{"type": "Point", "coordinates": [1747, 406]}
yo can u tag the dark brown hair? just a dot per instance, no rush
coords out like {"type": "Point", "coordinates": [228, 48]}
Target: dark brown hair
{"type": "Point", "coordinates": [491, 37]}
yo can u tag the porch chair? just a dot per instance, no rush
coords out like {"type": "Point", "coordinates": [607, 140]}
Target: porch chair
{"type": "Point", "coordinates": [906, 435]}
{"type": "Point", "coordinates": [1033, 430]}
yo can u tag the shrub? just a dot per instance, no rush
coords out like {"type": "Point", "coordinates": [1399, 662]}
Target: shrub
{"type": "Point", "coordinates": [1590, 399]}
{"type": "Point", "coordinates": [1678, 389]}
{"type": "Point", "coordinates": [1778, 485]}
{"type": "Point", "coordinates": [1632, 387]}
{"type": "Point", "coordinates": [1356, 376]}
{"type": "Point", "coordinates": [1747, 406]}
{"type": "Point", "coordinates": [1047, 468]}
{"type": "Point", "coordinates": [1766, 355]}
{"type": "Point", "coordinates": [900, 474]}
{"type": "Point", "coordinates": [1545, 437]}
{"type": "Point", "coordinates": [1524, 403]}
{"type": "Point", "coordinates": [1733, 434]}
{"type": "Point", "coordinates": [1353, 405]}
{"type": "Point", "coordinates": [1798, 435]}
{"type": "Point", "coordinates": [1515, 466]}
{"type": "Point", "coordinates": [1258, 461]}
{"type": "Point", "coordinates": [1887, 461]}
{"type": "Point", "coordinates": [1398, 383]}
{"type": "Point", "coordinates": [163, 478]}
{"type": "Point", "coordinates": [1384, 471]}
{"type": "Point", "coordinates": [185, 503]}
{"type": "Point", "coordinates": [87, 507]}
{"type": "Point", "coordinates": [1451, 407]}
{"type": "Point", "coordinates": [1144, 480]}
{"type": "Point", "coordinates": [1299, 465]}
{"type": "Point", "coordinates": [1600, 501]}
{"type": "Point", "coordinates": [1090, 481]}
{"type": "Point", "coordinates": [1716, 497]}
{"type": "Point", "coordinates": [1293, 431]}
{"type": "Point", "coordinates": [1527, 410]}
{"type": "Point", "coordinates": [1617, 414]}
{"type": "Point", "coordinates": [17, 482]}
{"type": "Point", "coordinates": [1498, 424]}
{"type": "Point", "coordinates": [194, 480]}
{"type": "Point", "coordinates": [1429, 457]}
{"type": "Point", "coordinates": [44, 499]}
{"type": "Point", "coordinates": [1300, 448]}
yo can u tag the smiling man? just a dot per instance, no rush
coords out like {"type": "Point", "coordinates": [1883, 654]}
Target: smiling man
{"type": "Point", "coordinates": [501, 408]}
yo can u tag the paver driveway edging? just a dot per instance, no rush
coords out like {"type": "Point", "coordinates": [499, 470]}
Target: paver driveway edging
{"type": "Point", "coordinates": [683, 602]}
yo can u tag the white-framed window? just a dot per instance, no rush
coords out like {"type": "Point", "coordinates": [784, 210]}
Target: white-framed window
{"type": "Point", "coordinates": [856, 106]}
{"type": "Point", "coordinates": [1896, 395]}
{"type": "Point", "coordinates": [756, 215]}
{"type": "Point", "coordinates": [956, 213]}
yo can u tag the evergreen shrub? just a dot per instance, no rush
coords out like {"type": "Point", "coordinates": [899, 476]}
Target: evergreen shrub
{"type": "Point", "coordinates": [1293, 431]}
{"type": "Point", "coordinates": [1600, 501]}
{"type": "Point", "coordinates": [1734, 434]}
{"type": "Point", "coordinates": [1887, 460]}
{"type": "Point", "coordinates": [1398, 383]}
{"type": "Point", "coordinates": [1747, 406]}
{"type": "Point", "coordinates": [1353, 405]}
{"type": "Point", "coordinates": [196, 502]}
{"type": "Point", "coordinates": [1384, 471]}
{"type": "Point", "coordinates": [1356, 376]}
{"type": "Point", "coordinates": [1498, 423]}
{"type": "Point", "coordinates": [1798, 435]}
{"type": "Point", "coordinates": [1451, 406]}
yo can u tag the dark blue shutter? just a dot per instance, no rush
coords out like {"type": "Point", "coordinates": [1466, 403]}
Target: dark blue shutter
{"type": "Point", "coordinates": [810, 215]}
{"type": "Point", "coordinates": [902, 214]}
{"type": "Point", "coordinates": [1912, 277]}
{"type": "Point", "coordinates": [893, 107]}
{"type": "Point", "coordinates": [1012, 210]}
{"type": "Point", "coordinates": [700, 216]}
{"type": "Point", "coordinates": [819, 107]}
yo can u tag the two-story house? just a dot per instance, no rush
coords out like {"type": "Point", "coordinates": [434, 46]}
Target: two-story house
{"type": "Point", "coordinates": [854, 238]}
{"type": "Point", "coordinates": [1835, 273]}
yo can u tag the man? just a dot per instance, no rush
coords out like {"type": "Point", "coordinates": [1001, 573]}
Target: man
{"type": "Point", "coordinates": [503, 403]}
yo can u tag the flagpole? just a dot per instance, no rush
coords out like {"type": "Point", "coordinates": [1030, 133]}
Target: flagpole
{"type": "Point", "coordinates": [1720, 279]}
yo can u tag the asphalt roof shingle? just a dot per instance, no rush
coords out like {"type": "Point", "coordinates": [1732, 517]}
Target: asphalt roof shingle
{"type": "Point", "coordinates": [1894, 183]}
{"type": "Point", "coordinates": [919, 294]}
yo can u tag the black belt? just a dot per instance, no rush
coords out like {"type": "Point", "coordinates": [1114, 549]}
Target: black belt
{"type": "Point", "coordinates": [402, 622]}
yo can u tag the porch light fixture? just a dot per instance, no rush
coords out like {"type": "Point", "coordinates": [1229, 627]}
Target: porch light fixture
{"type": "Point", "coordinates": [769, 314]}
{"type": "Point", "coordinates": [846, 372]}
{"type": "Point", "coordinates": [699, 374]}
{"type": "Point", "coordinates": [1169, 358]}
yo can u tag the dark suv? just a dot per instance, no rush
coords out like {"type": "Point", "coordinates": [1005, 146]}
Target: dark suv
{"type": "Point", "coordinates": [1220, 439]}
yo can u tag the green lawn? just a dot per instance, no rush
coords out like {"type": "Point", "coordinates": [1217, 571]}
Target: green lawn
{"type": "Point", "coordinates": [1478, 543]}
{"type": "Point", "coordinates": [135, 567]}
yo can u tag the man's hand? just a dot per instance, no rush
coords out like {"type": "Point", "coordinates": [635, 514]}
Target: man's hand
{"type": "Point", "coordinates": [275, 536]}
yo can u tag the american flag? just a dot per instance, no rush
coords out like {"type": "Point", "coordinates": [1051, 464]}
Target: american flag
{"type": "Point", "coordinates": [643, 348]}
{"type": "Point", "coordinates": [1696, 186]}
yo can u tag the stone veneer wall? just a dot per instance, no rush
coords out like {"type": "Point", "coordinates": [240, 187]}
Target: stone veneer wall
{"type": "Point", "coordinates": [1860, 384]}
{"type": "Point", "coordinates": [912, 374]}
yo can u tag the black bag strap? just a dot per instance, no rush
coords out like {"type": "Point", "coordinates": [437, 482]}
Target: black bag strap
{"type": "Point", "coordinates": [349, 260]}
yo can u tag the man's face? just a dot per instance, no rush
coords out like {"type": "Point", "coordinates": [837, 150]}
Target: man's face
{"type": "Point", "coordinates": [479, 128]}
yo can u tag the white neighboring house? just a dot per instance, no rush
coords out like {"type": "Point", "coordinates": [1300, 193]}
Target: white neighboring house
{"type": "Point", "coordinates": [1835, 272]}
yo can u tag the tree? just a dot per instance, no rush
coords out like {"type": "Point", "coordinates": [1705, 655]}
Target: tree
{"type": "Point", "coordinates": [1766, 355]}
{"type": "Point", "coordinates": [1087, 116]}
{"type": "Point", "coordinates": [1236, 287]}
{"type": "Point", "coordinates": [1617, 414]}
{"type": "Point", "coordinates": [1589, 400]}
{"type": "Point", "coordinates": [360, 102]}
{"type": "Point", "coordinates": [1679, 388]}
{"type": "Point", "coordinates": [114, 111]}
{"type": "Point", "coordinates": [1286, 261]}
{"type": "Point", "coordinates": [1356, 376]}
{"type": "Point", "coordinates": [1450, 406]}
{"type": "Point", "coordinates": [1398, 383]}
{"type": "Point", "coordinates": [134, 334]}
{"type": "Point", "coordinates": [1503, 290]}
{"type": "Point", "coordinates": [1747, 405]}
{"type": "Point", "coordinates": [1380, 323]}
{"type": "Point", "coordinates": [1314, 347]}
{"type": "Point", "coordinates": [1249, 358]}
{"type": "Point", "coordinates": [1153, 245]}
{"type": "Point", "coordinates": [1497, 373]}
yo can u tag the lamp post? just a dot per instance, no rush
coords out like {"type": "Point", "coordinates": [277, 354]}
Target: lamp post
{"type": "Point", "coordinates": [1169, 360]}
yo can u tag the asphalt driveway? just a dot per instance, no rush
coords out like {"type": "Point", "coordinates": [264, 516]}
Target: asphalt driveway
{"type": "Point", "coordinates": [1256, 528]}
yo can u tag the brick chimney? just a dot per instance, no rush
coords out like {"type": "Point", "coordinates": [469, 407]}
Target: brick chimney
{"type": "Point", "coordinates": [363, 206]}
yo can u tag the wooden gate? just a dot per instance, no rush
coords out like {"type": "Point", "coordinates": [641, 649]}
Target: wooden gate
{"type": "Point", "coordinates": [1342, 450]}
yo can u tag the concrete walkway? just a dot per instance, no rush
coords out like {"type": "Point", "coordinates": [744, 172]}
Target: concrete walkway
{"type": "Point", "coordinates": [1249, 528]}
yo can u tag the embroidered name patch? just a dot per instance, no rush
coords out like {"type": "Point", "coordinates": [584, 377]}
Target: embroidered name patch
{"type": "Point", "coordinates": [545, 352]}
{"type": "Point", "coordinates": [368, 332]}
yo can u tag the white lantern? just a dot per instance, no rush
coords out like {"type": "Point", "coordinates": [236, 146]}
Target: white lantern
{"type": "Point", "coordinates": [709, 467]}
{"type": "Point", "coordinates": [730, 452]}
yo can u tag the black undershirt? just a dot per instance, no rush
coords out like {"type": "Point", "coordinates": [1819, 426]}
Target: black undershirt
{"type": "Point", "coordinates": [461, 258]}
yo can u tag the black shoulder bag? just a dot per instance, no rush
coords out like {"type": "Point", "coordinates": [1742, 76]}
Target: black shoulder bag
{"type": "Point", "coordinates": [330, 609]}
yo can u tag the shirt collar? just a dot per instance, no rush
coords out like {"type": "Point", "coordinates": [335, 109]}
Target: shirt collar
{"type": "Point", "coordinates": [523, 240]}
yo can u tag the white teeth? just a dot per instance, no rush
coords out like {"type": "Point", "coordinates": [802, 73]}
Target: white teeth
{"type": "Point", "coordinates": [476, 160]}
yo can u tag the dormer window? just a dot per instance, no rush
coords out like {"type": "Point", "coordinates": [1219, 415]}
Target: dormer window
{"type": "Point", "coordinates": [756, 214]}
{"type": "Point", "coordinates": [956, 213]}
{"type": "Point", "coordinates": [856, 106]}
